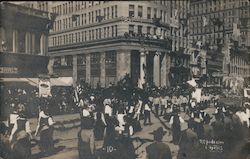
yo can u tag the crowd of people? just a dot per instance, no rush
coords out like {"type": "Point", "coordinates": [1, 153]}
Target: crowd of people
{"type": "Point", "coordinates": [114, 115]}
{"type": "Point", "coordinates": [60, 102]}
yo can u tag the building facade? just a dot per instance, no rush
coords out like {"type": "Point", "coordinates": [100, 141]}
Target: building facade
{"type": "Point", "coordinates": [213, 24]}
{"type": "Point", "coordinates": [24, 46]}
{"type": "Point", "coordinates": [101, 41]}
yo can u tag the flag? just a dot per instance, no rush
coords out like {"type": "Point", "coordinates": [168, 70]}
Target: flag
{"type": "Point", "coordinates": [76, 96]}
{"type": "Point", "coordinates": [205, 21]}
{"type": "Point", "coordinates": [192, 82]}
{"type": "Point", "coordinates": [199, 44]}
{"type": "Point", "coordinates": [176, 13]}
{"type": "Point", "coordinates": [236, 32]}
{"type": "Point", "coordinates": [140, 83]}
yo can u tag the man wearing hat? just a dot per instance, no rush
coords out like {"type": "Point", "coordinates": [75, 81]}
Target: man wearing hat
{"type": "Point", "coordinates": [158, 149]}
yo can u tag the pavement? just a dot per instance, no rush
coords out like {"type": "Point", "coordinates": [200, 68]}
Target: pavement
{"type": "Point", "coordinates": [67, 127]}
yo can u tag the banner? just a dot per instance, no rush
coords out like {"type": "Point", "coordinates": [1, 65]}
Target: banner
{"type": "Point", "coordinates": [197, 95]}
{"type": "Point", "coordinates": [44, 87]}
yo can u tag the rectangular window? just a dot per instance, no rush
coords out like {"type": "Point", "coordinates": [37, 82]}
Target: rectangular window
{"type": "Point", "coordinates": [131, 12]}
{"type": "Point", "coordinates": [81, 59]}
{"type": "Point", "coordinates": [112, 12]}
{"type": "Point", "coordinates": [89, 34]}
{"type": "Point", "coordinates": [139, 29]}
{"type": "Point", "coordinates": [104, 13]}
{"type": "Point", "coordinates": [155, 12]}
{"type": "Point", "coordinates": [112, 31]}
{"type": "Point", "coordinates": [108, 13]}
{"type": "Point", "coordinates": [140, 11]}
{"type": "Point", "coordinates": [104, 32]}
{"type": "Point", "coordinates": [100, 33]}
{"type": "Point", "coordinates": [148, 13]}
{"type": "Point", "coordinates": [148, 30]}
{"type": "Point", "coordinates": [69, 60]}
{"type": "Point", "coordinates": [115, 11]}
{"type": "Point", "coordinates": [131, 29]}
{"type": "Point", "coordinates": [116, 30]}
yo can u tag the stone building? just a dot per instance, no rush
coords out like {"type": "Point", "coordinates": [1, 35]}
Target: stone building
{"type": "Point", "coordinates": [101, 41]}
{"type": "Point", "coordinates": [24, 41]}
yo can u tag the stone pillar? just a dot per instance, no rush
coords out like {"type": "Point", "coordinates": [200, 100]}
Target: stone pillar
{"type": "Point", "coordinates": [88, 68]}
{"type": "Point", "coordinates": [33, 36]}
{"type": "Point", "coordinates": [142, 65]}
{"type": "Point", "coordinates": [164, 70]}
{"type": "Point", "coordinates": [168, 64]}
{"type": "Point", "coordinates": [103, 72]}
{"type": "Point", "coordinates": [123, 62]}
{"type": "Point", "coordinates": [74, 74]}
{"type": "Point", "coordinates": [15, 40]}
{"type": "Point", "coordinates": [156, 69]}
{"type": "Point", "coordinates": [46, 44]}
{"type": "Point", "coordinates": [27, 42]}
{"type": "Point", "coordinates": [42, 44]}
{"type": "Point", "coordinates": [50, 65]}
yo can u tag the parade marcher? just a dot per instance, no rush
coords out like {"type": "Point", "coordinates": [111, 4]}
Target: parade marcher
{"type": "Point", "coordinates": [147, 113]}
{"type": "Point", "coordinates": [158, 149]}
{"type": "Point", "coordinates": [99, 125]}
{"type": "Point", "coordinates": [20, 136]}
{"type": "Point", "coordinates": [12, 118]}
{"type": "Point", "coordinates": [156, 104]}
{"type": "Point", "coordinates": [86, 137]}
{"type": "Point", "coordinates": [175, 122]}
{"type": "Point", "coordinates": [45, 128]}
{"type": "Point", "coordinates": [163, 103]}
{"type": "Point", "coordinates": [184, 103]}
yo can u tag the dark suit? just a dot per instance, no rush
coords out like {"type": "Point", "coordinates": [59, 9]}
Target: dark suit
{"type": "Point", "coordinates": [158, 150]}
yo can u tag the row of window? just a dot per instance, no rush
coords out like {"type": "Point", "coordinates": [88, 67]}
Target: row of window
{"type": "Point", "coordinates": [86, 18]}
{"type": "Point", "coordinates": [93, 34]}
{"type": "Point", "coordinates": [110, 58]}
{"type": "Point", "coordinates": [208, 7]}
{"type": "Point", "coordinates": [72, 6]}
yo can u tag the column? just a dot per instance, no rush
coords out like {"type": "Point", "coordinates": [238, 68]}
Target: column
{"type": "Point", "coordinates": [33, 43]}
{"type": "Point", "coordinates": [42, 44]}
{"type": "Point", "coordinates": [142, 65]}
{"type": "Point", "coordinates": [15, 40]}
{"type": "Point", "coordinates": [123, 63]}
{"type": "Point", "coordinates": [46, 44]}
{"type": "Point", "coordinates": [50, 65]}
{"type": "Point", "coordinates": [74, 74]}
{"type": "Point", "coordinates": [164, 71]}
{"type": "Point", "coordinates": [156, 69]}
{"type": "Point", "coordinates": [103, 73]}
{"type": "Point", "coordinates": [168, 64]}
{"type": "Point", "coordinates": [27, 42]}
{"type": "Point", "coordinates": [88, 68]}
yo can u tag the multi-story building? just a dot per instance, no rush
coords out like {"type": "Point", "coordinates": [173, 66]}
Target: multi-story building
{"type": "Point", "coordinates": [179, 68]}
{"type": "Point", "coordinates": [212, 24]}
{"type": "Point", "coordinates": [24, 46]}
{"type": "Point", "coordinates": [101, 41]}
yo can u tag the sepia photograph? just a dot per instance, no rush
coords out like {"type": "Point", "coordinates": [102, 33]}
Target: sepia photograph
{"type": "Point", "coordinates": [141, 79]}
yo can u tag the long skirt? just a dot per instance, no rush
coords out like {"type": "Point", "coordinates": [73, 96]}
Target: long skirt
{"type": "Point", "coordinates": [46, 140]}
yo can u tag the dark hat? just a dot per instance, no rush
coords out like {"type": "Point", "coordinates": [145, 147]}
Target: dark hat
{"type": "Point", "coordinates": [159, 132]}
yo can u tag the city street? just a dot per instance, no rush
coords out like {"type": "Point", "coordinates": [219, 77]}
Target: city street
{"type": "Point", "coordinates": [66, 140]}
